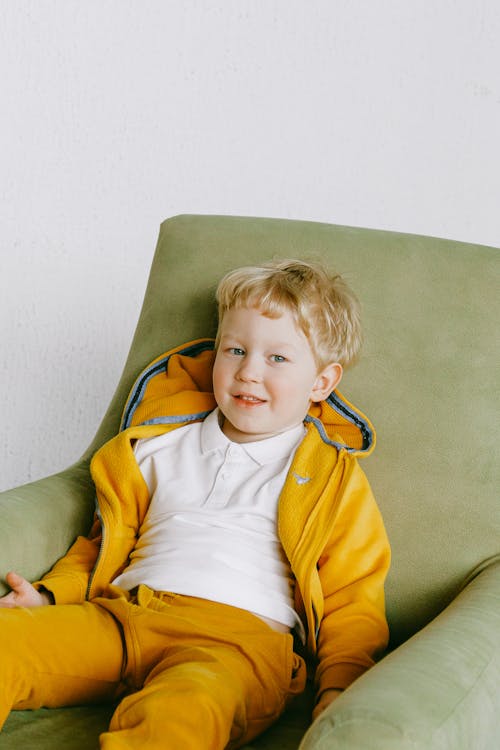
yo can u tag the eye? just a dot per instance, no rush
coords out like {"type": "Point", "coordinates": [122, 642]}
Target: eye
{"type": "Point", "coordinates": [236, 351]}
{"type": "Point", "coordinates": [278, 358]}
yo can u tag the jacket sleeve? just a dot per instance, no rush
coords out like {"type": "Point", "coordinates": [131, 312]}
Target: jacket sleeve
{"type": "Point", "coordinates": [68, 580]}
{"type": "Point", "coordinates": [352, 569]}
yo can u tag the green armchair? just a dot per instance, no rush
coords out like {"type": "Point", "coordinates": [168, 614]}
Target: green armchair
{"type": "Point", "coordinates": [427, 379]}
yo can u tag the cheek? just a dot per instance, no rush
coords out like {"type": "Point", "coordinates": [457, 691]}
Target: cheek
{"type": "Point", "coordinates": [296, 391]}
{"type": "Point", "coordinates": [218, 377]}
{"type": "Point", "coordinates": [287, 390]}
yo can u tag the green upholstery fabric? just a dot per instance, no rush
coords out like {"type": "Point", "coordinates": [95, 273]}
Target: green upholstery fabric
{"type": "Point", "coordinates": [428, 380]}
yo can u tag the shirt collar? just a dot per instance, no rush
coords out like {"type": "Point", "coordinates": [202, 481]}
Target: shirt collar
{"type": "Point", "coordinates": [261, 451]}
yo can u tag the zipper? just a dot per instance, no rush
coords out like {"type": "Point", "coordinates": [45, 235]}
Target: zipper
{"type": "Point", "coordinates": [313, 552]}
{"type": "Point", "coordinates": [101, 548]}
{"type": "Point", "coordinates": [316, 623]}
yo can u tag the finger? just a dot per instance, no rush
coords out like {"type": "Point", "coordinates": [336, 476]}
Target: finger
{"type": "Point", "coordinates": [15, 581]}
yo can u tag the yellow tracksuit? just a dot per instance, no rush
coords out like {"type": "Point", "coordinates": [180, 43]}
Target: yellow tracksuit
{"type": "Point", "coordinates": [330, 529]}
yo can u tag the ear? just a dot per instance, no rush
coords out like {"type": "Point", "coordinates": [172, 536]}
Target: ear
{"type": "Point", "coordinates": [326, 381]}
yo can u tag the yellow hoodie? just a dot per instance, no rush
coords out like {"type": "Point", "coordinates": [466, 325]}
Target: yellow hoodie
{"type": "Point", "coordinates": [328, 522]}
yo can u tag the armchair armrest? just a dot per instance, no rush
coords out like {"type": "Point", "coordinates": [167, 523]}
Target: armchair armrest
{"type": "Point", "coordinates": [438, 691]}
{"type": "Point", "coordinates": [39, 521]}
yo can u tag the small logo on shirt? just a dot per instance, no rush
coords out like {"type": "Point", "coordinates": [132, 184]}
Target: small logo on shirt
{"type": "Point", "coordinates": [301, 480]}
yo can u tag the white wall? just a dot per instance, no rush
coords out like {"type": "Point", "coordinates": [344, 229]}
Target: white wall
{"type": "Point", "coordinates": [116, 114]}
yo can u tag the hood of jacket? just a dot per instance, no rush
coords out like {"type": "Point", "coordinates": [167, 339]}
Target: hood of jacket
{"type": "Point", "coordinates": [176, 388]}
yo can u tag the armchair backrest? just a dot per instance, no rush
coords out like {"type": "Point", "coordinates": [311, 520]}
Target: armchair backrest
{"type": "Point", "coordinates": [427, 378]}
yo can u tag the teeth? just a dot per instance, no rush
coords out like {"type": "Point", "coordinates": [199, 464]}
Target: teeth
{"type": "Point", "coordinates": [249, 398]}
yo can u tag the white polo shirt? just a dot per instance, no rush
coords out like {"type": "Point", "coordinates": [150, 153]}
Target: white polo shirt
{"type": "Point", "coordinates": [211, 527]}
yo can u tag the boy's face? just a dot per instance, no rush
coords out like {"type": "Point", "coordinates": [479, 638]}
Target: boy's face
{"type": "Point", "coordinates": [265, 375]}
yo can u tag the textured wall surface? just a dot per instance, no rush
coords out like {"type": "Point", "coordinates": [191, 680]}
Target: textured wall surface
{"type": "Point", "coordinates": [118, 114]}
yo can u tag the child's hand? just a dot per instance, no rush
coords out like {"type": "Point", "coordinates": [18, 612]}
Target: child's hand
{"type": "Point", "coordinates": [326, 698]}
{"type": "Point", "coordinates": [23, 594]}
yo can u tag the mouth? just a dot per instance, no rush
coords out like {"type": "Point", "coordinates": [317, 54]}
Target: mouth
{"type": "Point", "coordinates": [248, 399]}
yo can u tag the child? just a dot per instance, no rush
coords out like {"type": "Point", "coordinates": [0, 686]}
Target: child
{"type": "Point", "coordinates": [231, 512]}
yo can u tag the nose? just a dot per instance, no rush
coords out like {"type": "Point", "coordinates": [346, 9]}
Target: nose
{"type": "Point", "coordinates": [249, 370]}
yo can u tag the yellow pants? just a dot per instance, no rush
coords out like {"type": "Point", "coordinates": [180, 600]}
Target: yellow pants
{"type": "Point", "coordinates": [189, 673]}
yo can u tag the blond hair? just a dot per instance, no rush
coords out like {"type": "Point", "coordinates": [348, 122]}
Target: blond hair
{"type": "Point", "coordinates": [323, 305]}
